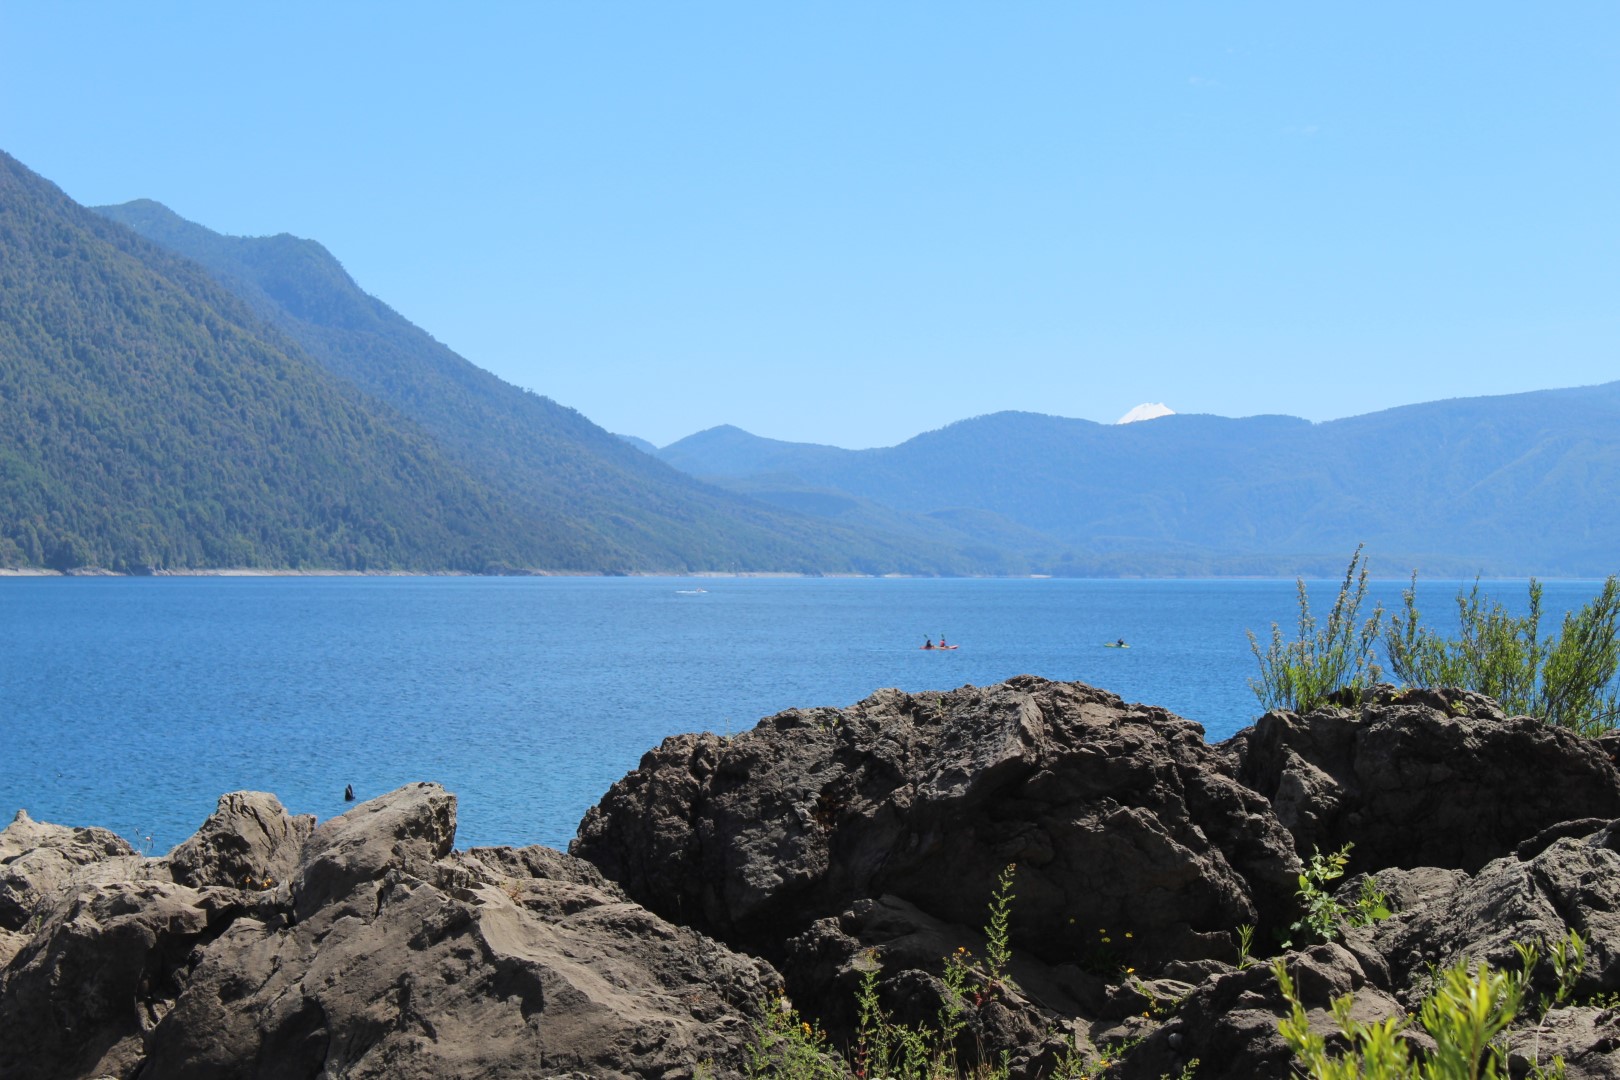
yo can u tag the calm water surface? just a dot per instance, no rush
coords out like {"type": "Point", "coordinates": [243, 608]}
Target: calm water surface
{"type": "Point", "coordinates": [134, 703]}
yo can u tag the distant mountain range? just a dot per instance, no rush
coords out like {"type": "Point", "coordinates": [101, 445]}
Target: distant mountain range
{"type": "Point", "coordinates": [171, 398]}
{"type": "Point", "coordinates": [198, 401]}
{"type": "Point", "coordinates": [1520, 484]}
{"type": "Point", "coordinates": [623, 509]}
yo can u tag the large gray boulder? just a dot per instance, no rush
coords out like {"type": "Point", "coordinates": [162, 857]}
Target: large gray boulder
{"type": "Point", "coordinates": [408, 830]}
{"type": "Point", "coordinates": [248, 842]}
{"type": "Point", "coordinates": [1423, 777]}
{"type": "Point", "coordinates": [43, 866]}
{"type": "Point", "coordinates": [81, 996]}
{"type": "Point", "coordinates": [1571, 884]}
{"type": "Point", "coordinates": [1119, 817]}
{"type": "Point", "coordinates": [38, 861]}
{"type": "Point", "coordinates": [377, 952]}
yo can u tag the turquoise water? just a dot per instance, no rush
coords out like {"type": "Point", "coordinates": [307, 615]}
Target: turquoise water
{"type": "Point", "coordinates": [134, 703]}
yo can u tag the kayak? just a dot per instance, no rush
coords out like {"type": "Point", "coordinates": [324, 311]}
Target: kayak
{"type": "Point", "coordinates": [937, 648]}
{"type": "Point", "coordinates": [1114, 645]}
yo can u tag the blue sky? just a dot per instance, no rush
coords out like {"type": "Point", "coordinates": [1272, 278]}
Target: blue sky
{"type": "Point", "coordinates": [852, 222]}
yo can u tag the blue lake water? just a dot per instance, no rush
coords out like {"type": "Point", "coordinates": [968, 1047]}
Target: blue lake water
{"type": "Point", "coordinates": [134, 703]}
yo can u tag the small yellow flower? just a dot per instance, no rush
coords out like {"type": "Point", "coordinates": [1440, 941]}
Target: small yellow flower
{"type": "Point", "coordinates": [1130, 971]}
{"type": "Point", "coordinates": [1128, 934]}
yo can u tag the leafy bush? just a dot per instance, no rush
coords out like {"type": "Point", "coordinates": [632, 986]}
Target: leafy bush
{"type": "Point", "coordinates": [1568, 679]}
{"type": "Point", "coordinates": [1302, 674]}
{"type": "Point", "coordinates": [1464, 1015]}
{"type": "Point", "coordinates": [1324, 917]}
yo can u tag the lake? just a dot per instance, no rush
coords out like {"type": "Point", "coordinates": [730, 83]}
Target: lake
{"type": "Point", "coordinates": [133, 703]}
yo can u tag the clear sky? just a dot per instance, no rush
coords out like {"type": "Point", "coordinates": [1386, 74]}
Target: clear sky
{"type": "Point", "coordinates": [852, 222]}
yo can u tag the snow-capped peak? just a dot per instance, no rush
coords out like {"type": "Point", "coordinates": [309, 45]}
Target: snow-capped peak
{"type": "Point", "coordinates": [1148, 410]}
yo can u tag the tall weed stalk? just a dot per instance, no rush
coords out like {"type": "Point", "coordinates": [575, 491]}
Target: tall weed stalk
{"type": "Point", "coordinates": [1301, 674]}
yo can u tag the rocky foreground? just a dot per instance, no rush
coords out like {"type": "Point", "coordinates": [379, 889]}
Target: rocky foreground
{"type": "Point", "coordinates": [821, 845]}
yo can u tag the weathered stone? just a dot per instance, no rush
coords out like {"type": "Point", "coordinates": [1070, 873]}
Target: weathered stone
{"type": "Point", "coordinates": [1119, 818]}
{"type": "Point", "coordinates": [384, 955]}
{"type": "Point", "coordinates": [248, 842]}
{"type": "Point", "coordinates": [1573, 884]}
{"type": "Point", "coordinates": [40, 863]}
{"type": "Point", "coordinates": [904, 949]}
{"type": "Point", "coordinates": [1587, 1037]}
{"type": "Point", "coordinates": [406, 830]}
{"type": "Point", "coordinates": [1229, 1022]}
{"type": "Point", "coordinates": [102, 972]}
{"type": "Point", "coordinates": [1423, 778]}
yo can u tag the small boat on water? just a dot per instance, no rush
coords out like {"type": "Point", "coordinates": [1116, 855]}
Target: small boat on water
{"type": "Point", "coordinates": [1115, 645]}
{"type": "Point", "coordinates": [938, 648]}
{"type": "Point", "coordinates": [690, 592]}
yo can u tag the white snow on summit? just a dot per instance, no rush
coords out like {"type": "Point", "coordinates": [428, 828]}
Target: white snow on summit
{"type": "Point", "coordinates": [1148, 410]}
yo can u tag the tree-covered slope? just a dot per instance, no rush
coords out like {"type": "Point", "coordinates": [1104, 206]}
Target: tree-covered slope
{"type": "Point", "coordinates": [548, 459]}
{"type": "Point", "coordinates": [149, 419]}
{"type": "Point", "coordinates": [1516, 484]}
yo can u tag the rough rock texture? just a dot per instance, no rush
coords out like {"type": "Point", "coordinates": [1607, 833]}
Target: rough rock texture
{"type": "Point", "coordinates": [1423, 778]}
{"type": "Point", "coordinates": [1118, 816]}
{"type": "Point", "coordinates": [378, 952]}
{"type": "Point", "coordinates": [836, 840]}
{"type": "Point", "coordinates": [826, 963]}
{"type": "Point", "coordinates": [1587, 1037]}
{"type": "Point", "coordinates": [41, 863]}
{"type": "Point", "coordinates": [1572, 884]}
{"type": "Point", "coordinates": [80, 997]}
{"type": "Point", "coordinates": [250, 842]}
{"type": "Point", "coordinates": [1443, 917]}
{"type": "Point", "coordinates": [1229, 1023]}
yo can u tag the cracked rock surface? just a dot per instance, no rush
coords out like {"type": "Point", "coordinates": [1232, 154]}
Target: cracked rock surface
{"type": "Point", "coordinates": [373, 950]}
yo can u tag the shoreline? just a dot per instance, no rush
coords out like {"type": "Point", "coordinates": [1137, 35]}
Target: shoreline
{"type": "Point", "coordinates": [257, 572]}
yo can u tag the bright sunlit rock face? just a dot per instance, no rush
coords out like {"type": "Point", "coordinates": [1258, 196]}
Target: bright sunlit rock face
{"type": "Point", "coordinates": [1148, 410]}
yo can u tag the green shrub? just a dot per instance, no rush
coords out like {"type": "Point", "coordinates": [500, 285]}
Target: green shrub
{"type": "Point", "coordinates": [1323, 917]}
{"type": "Point", "coordinates": [1299, 675]}
{"type": "Point", "coordinates": [1465, 1015]}
{"type": "Point", "coordinates": [1568, 679]}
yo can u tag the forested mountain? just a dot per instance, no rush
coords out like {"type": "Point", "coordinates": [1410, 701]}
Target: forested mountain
{"type": "Point", "coordinates": [153, 418]}
{"type": "Point", "coordinates": [149, 419]}
{"type": "Point", "coordinates": [547, 460]}
{"type": "Point", "coordinates": [1519, 484]}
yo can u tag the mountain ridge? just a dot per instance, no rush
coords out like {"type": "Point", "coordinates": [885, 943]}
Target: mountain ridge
{"type": "Point", "coordinates": [1511, 484]}
{"type": "Point", "coordinates": [148, 419]}
{"type": "Point", "coordinates": [547, 457]}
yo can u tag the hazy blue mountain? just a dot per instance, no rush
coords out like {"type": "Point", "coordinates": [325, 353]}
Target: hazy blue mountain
{"type": "Point", "coordinates": [640, 444]}
{"type": "Point", "coordinates": [1515, 484]}
{"type": "Point", "coordinates": [548, 460]}
{"type": "Point", "coordinates": [727, 451]}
